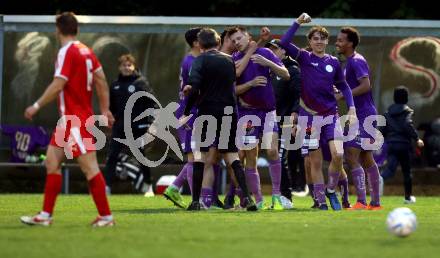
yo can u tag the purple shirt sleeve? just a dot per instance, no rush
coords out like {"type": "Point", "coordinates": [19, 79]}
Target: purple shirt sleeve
{"type": "Point", "coordinates": [342, 85]}
{"type": "Point", "coordinates": [360, 68]}
{"type": "Point", "coordinates": [272, 57]}
{"type": "Point", "coordinates": [291, 49]}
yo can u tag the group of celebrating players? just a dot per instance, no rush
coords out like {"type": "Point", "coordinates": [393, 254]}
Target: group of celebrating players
{"type": "Point", "coordinates": [324, 82]}
{"type": "Point", "coordinates": [228, 78]}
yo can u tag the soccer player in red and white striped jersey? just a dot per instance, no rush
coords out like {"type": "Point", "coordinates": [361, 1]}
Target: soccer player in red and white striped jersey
{"type": "Point", "coordinates": [76, 71]}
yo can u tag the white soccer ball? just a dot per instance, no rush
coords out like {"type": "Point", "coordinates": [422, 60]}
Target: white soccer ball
{"type": "Point", "coordinates": [401, 222]}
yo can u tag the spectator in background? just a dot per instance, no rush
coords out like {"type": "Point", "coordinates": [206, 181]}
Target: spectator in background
{"type": "Point", "coordinates": [399, 133]}
{"type": "Point", "coordinates": [129, 82]}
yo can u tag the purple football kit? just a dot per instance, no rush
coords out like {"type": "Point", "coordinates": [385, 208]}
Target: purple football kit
{"type": "Point", "coordinates": [356, 69]}
{"type": "Point", "coordinates": [318, 106]}
{"type": "Point", "coordinates": [184, 132]}
{"type": "Point", "coordinates": [257, 101]}
{"type": "Point", "coordinates": [319, 75]}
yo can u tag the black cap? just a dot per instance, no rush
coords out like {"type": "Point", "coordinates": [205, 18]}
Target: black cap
{"type": "Point", "coordinates": [273, 43]}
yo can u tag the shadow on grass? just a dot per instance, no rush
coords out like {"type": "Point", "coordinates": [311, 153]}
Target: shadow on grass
{"type": "Point", "coordinates": [148, 211]}
{"type": "Point", "coordinates": [213, 211]}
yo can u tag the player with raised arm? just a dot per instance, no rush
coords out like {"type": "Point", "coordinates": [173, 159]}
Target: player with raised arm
{"type": "Point", "coordinates": [76, 71]}
{"type": "Point", "coordinates": [256, 98]}
{"type": "Point", "coordinates": [359, 160]}
{"type": "Point", "coordinates": [320, 72]}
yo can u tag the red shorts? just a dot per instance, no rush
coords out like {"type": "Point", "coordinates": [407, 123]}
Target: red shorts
{"type": "Point", "coordinates": [75, 141]}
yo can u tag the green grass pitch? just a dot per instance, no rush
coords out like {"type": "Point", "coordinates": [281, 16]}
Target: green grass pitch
{"type": "Point", "coordinates": [152, 227]}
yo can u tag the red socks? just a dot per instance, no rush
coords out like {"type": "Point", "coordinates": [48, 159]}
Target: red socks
{"type": "Point", "coordinates": [51, 191]}
{"type": "Point", "coordinates": [97, 190]}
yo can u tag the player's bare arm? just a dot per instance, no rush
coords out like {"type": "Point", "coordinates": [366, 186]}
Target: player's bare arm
{"type": "Point", "coordinates": [265, 36]}
{"type": "Point", "coordinates": [280, 71]}
{"type": "Point", "coordinates": [241, 65]}
{"type": "Point", "coordinates": [51, 92]}
{"type": "Point", "coordinates": [258, 81]}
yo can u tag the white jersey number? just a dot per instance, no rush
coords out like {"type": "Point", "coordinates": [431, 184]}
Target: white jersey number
{"type": "Point", "coordinates": [89, 67]}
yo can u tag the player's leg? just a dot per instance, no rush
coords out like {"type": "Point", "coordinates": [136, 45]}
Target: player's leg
{"type": "Point", "coordinates": [217, 181]}
{"type": "Point", "coordinates": [229, 201]}
{"type": "Point", "coordinates": [198, 171]}
{"type": "Point", "coordinates": [252, 176]}
{"type": "Point", "coordinates": [315, 157]}
{"type": "Point", "coordinates": [89, 166]}
{"type": "Point", "coordinates": [309, 180]}
{"type": "Point", "coordinates": [274, 169]}
{"type": "Point", "coordinates": [232, 159]}
{"type": "Point", "coordinates": [54, 158]}
{"type": "Point", "coordinates": [372, 171]}
{"type": "Point", "coordinates": [352, 156]}
{"type": "Point", "coordinates": [334, 170]}
{"type": "Point", "coordinates": [343, 187]}
{"type": "Point", "coordinates": [172, 192]}
{"type": "Point", "coordinates": [206, 196]}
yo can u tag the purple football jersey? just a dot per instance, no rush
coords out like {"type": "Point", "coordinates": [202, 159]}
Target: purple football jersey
{"type": "Point", "coordinates": [356, 69]}
{"type": "Point", "coordinates": [263, 97]}
{"type": "Point", "coordinates": [184, 75]}
{"type": "Point", "coordinates": [25, 140]}
{"type": "Point", "coordinates": [318, 74]}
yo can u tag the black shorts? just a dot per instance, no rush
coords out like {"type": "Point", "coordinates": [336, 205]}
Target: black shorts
{"type": "Point", "coordinates": [217, 137]}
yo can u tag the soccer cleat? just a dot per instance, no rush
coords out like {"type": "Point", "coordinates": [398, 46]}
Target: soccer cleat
{"type": "Point", "coordinates": [194, 206]}
{"type": "Point", "coordinates": [334, 202]}
{"type": "Point", "coordinates": [372, 207]}
{"type": "Point", "coordinates": [411, 200]}
{"type": "Point", "coordinates": [276, 203]}
{"type": "Point", "coordinates": [218, 204]}
{"type": "Point", "coordinates": [36, 220]}
{"type": "Point", "coordinates": [250, 204]}
{"type": "Point", "coordinates": [358, 206]}
{"type": "Point", "coordinates": [229, 202]}
{"type": "Point", "coordinates": [260, 206]}
{"type": "Point", "coordinates": [203, 206]}
{"type": "Point", "coordinates": [315, 205]}
{"type": "Point", "coordinates": [346, 205]}
{"type": "Point", "coordinates": [174, 196]}
{"type": "Point", "coordinates": [323, 207]}
{"type": "Point", "coordinates": [100, 222]}
{"type": "Point", "coordinates": [244, 201]}
{"type": "Point", "coordinates": [287, 204]}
